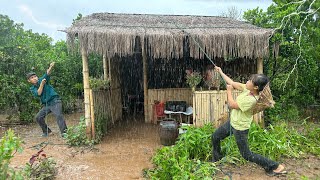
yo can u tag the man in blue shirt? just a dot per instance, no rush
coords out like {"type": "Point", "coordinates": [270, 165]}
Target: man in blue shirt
{"type": "Point", "coordinates": [50, 101]}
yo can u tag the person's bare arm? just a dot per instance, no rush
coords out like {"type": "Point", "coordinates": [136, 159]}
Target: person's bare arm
{"type": "Point", "coordinates": [50, 68]}
{"type": "Point", "coordinates": [228, 80]}
{"type": "Point", "coordinates": [40, 89]}
{"type": "Point", "coordinates": [231, 102]}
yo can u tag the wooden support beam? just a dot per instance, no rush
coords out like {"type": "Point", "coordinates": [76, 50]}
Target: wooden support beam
{"type": "Point", "coordinates": [86, 88]}
{"type": "Point", "coordinates": [260, 65]}
{"type": "Point", "coordinates": [109, 65]}
{"type": "Point", "coordinates": [145, 82]}
{"type": "Point", "coordinates": [105, 67]}
{"type": "Point", "coordinates": [110, 91]}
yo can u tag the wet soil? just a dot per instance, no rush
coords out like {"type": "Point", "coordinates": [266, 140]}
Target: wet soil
{"type": "Point", "coordinates": [126, 151]}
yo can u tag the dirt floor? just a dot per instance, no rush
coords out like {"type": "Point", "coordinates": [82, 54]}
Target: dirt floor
{"type": "Point", "coordinates": [126, 151]}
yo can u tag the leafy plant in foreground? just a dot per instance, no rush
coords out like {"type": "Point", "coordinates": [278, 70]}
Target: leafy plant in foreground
{"type": "Point", "coordinates": [40, 167]}
{"type": "Point", "coordinates": [9, 145]}
{"type": "Point", "coordinates": [76, 135]}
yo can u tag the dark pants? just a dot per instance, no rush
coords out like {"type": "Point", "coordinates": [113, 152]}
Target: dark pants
{"type": "Point", "coordinates": [242, 142]}
{"type": "Point", "coordinates": [56, 108]}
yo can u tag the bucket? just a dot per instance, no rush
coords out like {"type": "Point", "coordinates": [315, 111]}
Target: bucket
{"type": "Point", "coordinates": [168, 132]}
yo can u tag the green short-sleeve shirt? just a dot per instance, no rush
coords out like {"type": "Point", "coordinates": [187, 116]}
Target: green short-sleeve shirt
{"type": "Point", "coordinates": [241, 118]}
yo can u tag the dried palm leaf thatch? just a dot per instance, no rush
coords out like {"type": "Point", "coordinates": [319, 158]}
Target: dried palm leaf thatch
{"type": "Point", "coordinates": [110, 34]}
{"type": "Point", "coordinates": [265, 100]}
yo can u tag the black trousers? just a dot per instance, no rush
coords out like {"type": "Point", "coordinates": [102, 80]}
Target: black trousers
{"type": "Point", "coordinates": [242, 141]}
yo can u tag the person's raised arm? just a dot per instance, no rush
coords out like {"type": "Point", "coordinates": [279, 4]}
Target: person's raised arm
{"type": "Point", "coordinates": [50, 68]}
{"type": "Point", "coordinates": [231, 102]}
{"type": "Point", "coordinates": [228, 80]}
{"type": "Point", "coordinates": [40, 89]}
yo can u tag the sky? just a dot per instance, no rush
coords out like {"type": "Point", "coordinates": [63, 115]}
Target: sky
{"type": "Point", "coordinates": [49, 16]}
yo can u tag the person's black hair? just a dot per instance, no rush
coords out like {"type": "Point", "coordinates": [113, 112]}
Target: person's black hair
{"type": "Point", "coordinates": [259, 80]}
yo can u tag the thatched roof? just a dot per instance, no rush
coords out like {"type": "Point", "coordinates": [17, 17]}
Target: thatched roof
{"type": "Point", "coordinates": [110, 34]}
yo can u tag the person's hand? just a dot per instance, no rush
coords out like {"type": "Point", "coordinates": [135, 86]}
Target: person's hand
{"type": "Point", "coordinates": [43, 81]}
{"type": "Point", "coordinates": [217, 68]}
{"type": "Point", "coordinates": [52, 64]}
{"type": "Point", "coordinates": [229, 87]}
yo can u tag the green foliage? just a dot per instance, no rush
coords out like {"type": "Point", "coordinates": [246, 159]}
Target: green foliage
{"type": "Point", "coordinates": [193, 79]}
{"type": "Point", "coordinates": [187, 159]}
{"type": "Point", "coordinates": [101, 121]}
{"type": "Point", "coordinates": [76, 135]}
{"type": "Point", "coordinates": [9, 145]}
{"type": "Point", "coordinates": [45, 169]}
{"type": "Point", "coordinates": [191, 154]}
{"type": "Point", "coordinates": [40, 167]}
{"type": "Point", "coordinates": [295, 72]}
{"type": "Point", "coordinates": [22, 51]}
{"type": "Point", "coordinates": [99, 84]}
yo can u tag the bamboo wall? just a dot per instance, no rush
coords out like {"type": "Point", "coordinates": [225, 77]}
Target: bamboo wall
{"type": "Point", "coordinates": [170, 94]}
{"type": "Point", "coordinates": [211, 107]}
{"type": "Point", "coordinates": [101, 109]}
{"type": "Point", "coordinates": [107, 106]}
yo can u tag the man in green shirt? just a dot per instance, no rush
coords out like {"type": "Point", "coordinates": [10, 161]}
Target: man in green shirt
{"type": "Point", "coordinates": [50, 101]}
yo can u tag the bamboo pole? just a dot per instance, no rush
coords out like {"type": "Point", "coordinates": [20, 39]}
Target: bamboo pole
{"type": "Point", "coordinates": [105, 67]}
{"type": "Point", "coordinates": [260, 65]}
{"type": "Point", "coordinates": [92, 115]}
{"type": "Point", "coordinates": [260, 121]}
{"type": "Point", "coordinates": [86, 88]}
{"type": "Point", "coordinates": [109, 62]}
{"type": "Point", "coordinates": [145, 82]}
{"type": "Point", "coordinates": [110, 92]}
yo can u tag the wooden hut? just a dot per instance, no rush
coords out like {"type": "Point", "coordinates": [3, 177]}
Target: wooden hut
{"type": "Point", "coordinates": [165, 43]}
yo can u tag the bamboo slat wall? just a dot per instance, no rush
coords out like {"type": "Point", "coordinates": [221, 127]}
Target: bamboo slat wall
{"type": "Point", "coordinates": [171, 94]}
{"type": "Point", "coordinates": [101, 109]}
{"type": "Point", "coordinates": [106, 107]}
{"type": "Point", "coordinates": [211, 107]}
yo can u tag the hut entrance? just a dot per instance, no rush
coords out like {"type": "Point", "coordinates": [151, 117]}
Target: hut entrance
{"type": "Point", "coordinates": [131, 80]}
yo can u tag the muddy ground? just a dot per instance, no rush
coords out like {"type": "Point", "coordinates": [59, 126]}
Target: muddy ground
{"type": "Point", "coordinates": [126, 151]}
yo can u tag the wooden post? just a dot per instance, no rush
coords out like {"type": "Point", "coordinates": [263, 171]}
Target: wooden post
{"type": "Point", "coordinates": [260, 65]}
{"type": "Point", "coordinates": [86, 88]}
{"type": "Point", "coordinates": [105, 67]}
{"type": "Point", "coordinates": [110, 91]}
{"type": "Point", "coordinates": [145, 82]}
{"type": "Point", "coordinates": [92, 115]}
{"type": "Point", "coordinates": [260, 121]}
{"type": "Point", "coordinates": [109, 62]}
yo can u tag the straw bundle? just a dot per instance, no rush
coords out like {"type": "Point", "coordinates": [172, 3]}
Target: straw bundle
{"type": "Point", "coordinates": [265, 100]}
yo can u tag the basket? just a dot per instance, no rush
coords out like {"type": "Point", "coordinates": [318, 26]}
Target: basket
{"type": "Point", "coordinates": [265, 100]}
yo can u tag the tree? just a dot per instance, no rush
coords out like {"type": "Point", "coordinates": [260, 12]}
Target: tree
{"type": "Point", "coordinates": [232, 13]}
{"type": "Point", "coordinates": [293, 64]}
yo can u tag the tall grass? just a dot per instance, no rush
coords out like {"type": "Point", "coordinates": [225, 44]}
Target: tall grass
{"type": "Point", "coordinates": [188, 158]}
